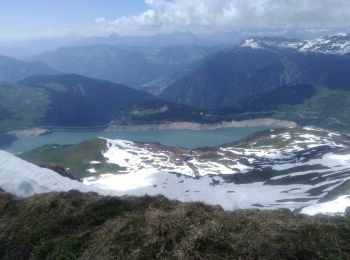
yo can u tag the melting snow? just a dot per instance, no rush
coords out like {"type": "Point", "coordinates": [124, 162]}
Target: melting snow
{"type": "Point", "coordinates": [24, 179]}
{"type": "Point", "coordinates": [201, 176]}
{"type": "Point", "coordinates": [335, 207]}
{"type": "Point", "coordinates": [338, 44]}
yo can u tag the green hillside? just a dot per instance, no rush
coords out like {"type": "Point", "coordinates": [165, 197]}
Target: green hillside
{"type": "Point", "coordinates": [76, 159]}
{"type": "Point", "coordinates": [70, 100]}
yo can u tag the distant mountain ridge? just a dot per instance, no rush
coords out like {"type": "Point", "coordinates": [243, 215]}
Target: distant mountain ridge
{"type": "Point", "coordinates": [131, 66]}
{"type": "Point", "coordinates": [338, 44]}
{"type": "Point", "coordinates": [263, 69]}
{"type": "Point", "coordinates": [13, 70]}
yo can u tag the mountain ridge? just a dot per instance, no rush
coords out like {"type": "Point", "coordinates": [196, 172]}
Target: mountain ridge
{"type": "Point", "coordinates": [337, 44]}
{"type": "Point", "coordinates": [252, 81]}
{"type": "Point", "coordinates": [13, 70]}
{"type": "Point", "coordinates": [70, 100]}
{"type": "Point", "coordinates": [132, 66]}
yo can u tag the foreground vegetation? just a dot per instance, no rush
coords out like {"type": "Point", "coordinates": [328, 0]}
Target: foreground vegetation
{"type": "Point", "coordinates": [86, 226]}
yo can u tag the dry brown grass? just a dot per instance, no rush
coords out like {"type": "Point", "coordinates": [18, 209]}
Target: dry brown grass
{"type": "Point", "coordinates": [86, 226]}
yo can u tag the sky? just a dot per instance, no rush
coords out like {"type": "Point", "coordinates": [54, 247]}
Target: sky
{"type": "Point", "coordinates": [26, 18]}
{"type": "Point", "coordinates": [45, 18]}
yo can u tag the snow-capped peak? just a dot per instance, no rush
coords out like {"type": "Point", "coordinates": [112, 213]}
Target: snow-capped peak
{"type": "Point", "coordinates": [271, 42]}
{"type": "Point", "coordinates": [338, 44]}
{"type": "Point", "coordinates": [334, 44]}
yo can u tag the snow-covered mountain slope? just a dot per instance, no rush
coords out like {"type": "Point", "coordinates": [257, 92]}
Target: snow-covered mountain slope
{"type": "Point", "coordinates": [24, 179]}
{"type": "Point", "coordinates": [338, 44]}
{"type": "Point", "coordinates": [272, 42]}
{"type": "Point", "coordinates": [290, 168]}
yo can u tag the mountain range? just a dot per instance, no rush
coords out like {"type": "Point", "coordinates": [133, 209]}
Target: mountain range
{"type": "Point", "coordinates": [257, 66]}
{"type": "Point", "coordinates": [277, 77]}
{"type": "Point", "coordinates": [131, 66]}
{"type": "Point", "coordinates": [256, 198]}
{"type": "Point", "coordinates": [338, 44]}
{"type": "Point", "coordinates": [13, 70]}
{"type": "Point", "coordinates": [68, 100]}
{"type": "Point", "coordinates": [297, 80]}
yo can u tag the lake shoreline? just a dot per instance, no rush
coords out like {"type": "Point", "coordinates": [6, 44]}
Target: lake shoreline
{"type": "Point", "coordinates": [29, 132]}
{"type": "Point", "coordinates": [181, 125]}
{"type": "Point", "coordinates": [268, 122]}
{"type": "Point", "coordinates": [177, 134]}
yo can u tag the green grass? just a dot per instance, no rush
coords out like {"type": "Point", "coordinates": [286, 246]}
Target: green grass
{"type": "Point", "coordinates": [74, 158]}
{"type": "Point", "coordinates": [25, 105]}
{"type": "Point", "coordinates": [70, 248]}
{"type": "Point", "coordinates": [85, 226]}
{"type": "Point", "coordinates": [42, 249]}
{"type": "Point", "coordinates": [328, 109]}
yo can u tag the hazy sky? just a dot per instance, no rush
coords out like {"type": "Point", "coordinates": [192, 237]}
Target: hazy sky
{"type": "Point", "coordinates": [49, 17]}
{"type": "Point", "coordinates": [32, 18]}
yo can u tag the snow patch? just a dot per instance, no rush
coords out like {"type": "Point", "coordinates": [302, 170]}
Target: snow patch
{"type": "Point", "coordinates": [335, 207]}
{"type": "Point", "coordinates": [24, 179]}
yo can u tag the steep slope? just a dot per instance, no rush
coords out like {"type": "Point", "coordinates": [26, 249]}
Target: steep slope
{"type": "Point", "coordinates": [81, 101]}
{"type": "Point", "coordinates": [292, 168]}
{"type": "Point", "coordinates": [132, 66]}
{"type": "Point", "coordinates": [257, 66]}
{"type": "Point", "coordinates": [24, 179]}
{"type": "Point", "coordinates": [77, 101]}
{"type": "Point", "coordinates": [13, 70]}
{"type": "Point", "coordinates": [226, 78]}
{"type": "Point", "coordinates": [85, 226]}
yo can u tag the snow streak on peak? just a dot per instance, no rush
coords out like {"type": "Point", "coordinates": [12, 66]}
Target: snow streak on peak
{"type": "Point", "coordinates": [271, 42]}
{"type": "Point", "coordinates": [338, 44]}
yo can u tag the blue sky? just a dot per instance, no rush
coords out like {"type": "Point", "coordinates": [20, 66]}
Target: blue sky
{"type": "Point", "coordinates": [19, 17]}
{"type": "Point", "coordinates": [45, 18]}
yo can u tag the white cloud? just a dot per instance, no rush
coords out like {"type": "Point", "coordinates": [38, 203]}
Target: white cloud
{"type": "Point", "coordinates": [220, 15]}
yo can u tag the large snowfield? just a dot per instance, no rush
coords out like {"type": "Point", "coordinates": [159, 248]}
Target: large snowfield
{"type": "Point", "coordinates": [24, 179]}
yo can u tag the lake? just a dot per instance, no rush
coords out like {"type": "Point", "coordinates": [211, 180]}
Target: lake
{"type": "Point", "coordinates": [177, 138]}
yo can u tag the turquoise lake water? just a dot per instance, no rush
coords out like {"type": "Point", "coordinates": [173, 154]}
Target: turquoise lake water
{"type": "Point", "coordinates": [177, 138]}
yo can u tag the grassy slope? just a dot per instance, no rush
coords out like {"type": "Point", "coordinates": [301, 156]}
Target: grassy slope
{"type": "Point", "coordinates": [327, 109]}
{"type": "Point", "coordinates": [75, 101]}
{"type": "Point", "coordinates": [76, 226]}
{"type": "Point", "coordinates": [24, 106]}
{"type": "Point", "coordinates": [74, 158]}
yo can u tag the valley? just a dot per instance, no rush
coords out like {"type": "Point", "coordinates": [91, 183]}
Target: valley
{"type": "Point", "coordinates": [231, 122]}
{"type": "Point", "coordinates": [173, 129]}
